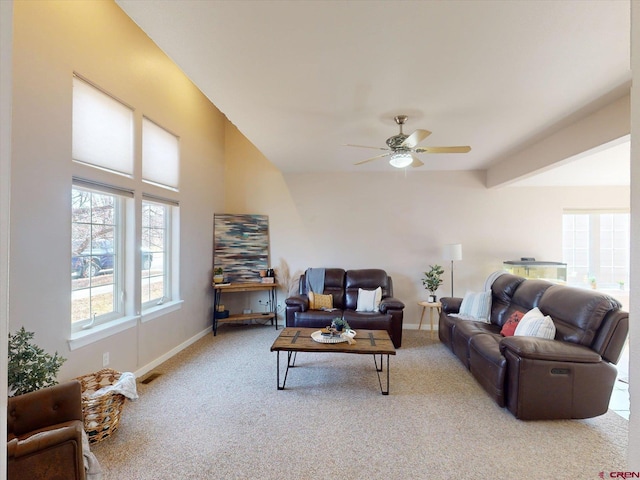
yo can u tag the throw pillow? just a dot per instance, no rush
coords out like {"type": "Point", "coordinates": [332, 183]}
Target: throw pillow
{"type": "Point", "coordinates": [509, 327]}
{"type": "Point", "coordinates": [318, 301]}
{"type": "Point", "coordinates": [369, 300]}
{"type": "Point", "coordinates": [536, 324]}
{"type": "Point", "coordinates": [476, 306]}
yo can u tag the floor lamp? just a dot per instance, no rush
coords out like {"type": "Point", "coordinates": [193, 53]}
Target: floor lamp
{"type": "Point", "coordinates": [452, 252]}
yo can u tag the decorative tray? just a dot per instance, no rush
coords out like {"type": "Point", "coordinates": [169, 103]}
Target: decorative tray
{"type": "Point", "coordinates": [320, 338]}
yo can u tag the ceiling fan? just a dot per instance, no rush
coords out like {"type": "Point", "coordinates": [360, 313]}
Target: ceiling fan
{"type": "Point", "coordinates": [401, 147]}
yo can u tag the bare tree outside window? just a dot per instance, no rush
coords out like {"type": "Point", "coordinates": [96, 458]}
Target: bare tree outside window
{"type": "Point", "coordinates": [155, 221]}
{"type": "Point", "coordinates": [94, 254]}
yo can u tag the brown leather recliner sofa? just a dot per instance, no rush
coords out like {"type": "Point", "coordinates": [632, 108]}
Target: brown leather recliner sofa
{"type": "Point", "coordinates": [343, 286]}
{"type": "Point", "coordinates": [571, 376]}
{"type": "Point", "coordinates": [44, 434]}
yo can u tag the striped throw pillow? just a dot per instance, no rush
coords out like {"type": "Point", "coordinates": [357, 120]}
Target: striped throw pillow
{"type": "Point", "coordinates": [476, 306]}
{"type": "Point", "coordinates": [536, 324]}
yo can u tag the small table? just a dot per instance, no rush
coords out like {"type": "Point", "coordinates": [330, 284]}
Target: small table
{"type": "Point", "coordinates": [431, 306]}
{"type": "Point", "coordinates": [368, 342]}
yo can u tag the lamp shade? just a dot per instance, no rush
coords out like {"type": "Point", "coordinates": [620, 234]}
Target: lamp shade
{"type": "Point", "coordinates": [452, 252]}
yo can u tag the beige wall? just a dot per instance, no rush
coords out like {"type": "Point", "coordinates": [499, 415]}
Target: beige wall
{"type": "Point", "coordinates": [97, 40]}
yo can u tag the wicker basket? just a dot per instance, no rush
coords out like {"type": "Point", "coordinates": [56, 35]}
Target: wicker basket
{"type": "Point", "coordinates": [102, 413]}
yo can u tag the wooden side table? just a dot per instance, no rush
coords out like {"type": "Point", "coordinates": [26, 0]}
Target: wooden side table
{"type": "Point", "coordinates": [437, 306]}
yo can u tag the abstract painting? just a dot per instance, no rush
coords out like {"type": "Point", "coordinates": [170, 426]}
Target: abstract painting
{"type": "Point", "coordinates": [241, 246]}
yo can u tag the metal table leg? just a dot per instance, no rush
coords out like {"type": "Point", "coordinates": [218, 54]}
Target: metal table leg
{"type": "Point", "coordinates": [380, 369]}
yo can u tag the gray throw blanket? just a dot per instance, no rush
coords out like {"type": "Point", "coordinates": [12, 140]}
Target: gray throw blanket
{"type": "Point", "coordinates": [314, 279]}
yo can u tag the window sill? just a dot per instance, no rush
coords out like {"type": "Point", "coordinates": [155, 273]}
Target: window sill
{"type": "Point", "coordinates": [160, 310]}
{"type": "Point", "coordinates": [83, 338]}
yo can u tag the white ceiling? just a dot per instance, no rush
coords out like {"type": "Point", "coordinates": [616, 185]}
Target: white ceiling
{"type": "Point", "coordinates": [301, 79]}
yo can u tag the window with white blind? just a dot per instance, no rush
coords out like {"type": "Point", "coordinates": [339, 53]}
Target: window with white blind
{"type": "Point", "coordinates": [102, 129]}
{"type": "Point", "coordinates": [160, 156]}
{"type": "Point", "coordinates": [596, 248]}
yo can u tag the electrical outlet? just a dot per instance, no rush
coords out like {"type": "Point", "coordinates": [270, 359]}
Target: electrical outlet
{"type": "Point", "coordinates": [105, 359]}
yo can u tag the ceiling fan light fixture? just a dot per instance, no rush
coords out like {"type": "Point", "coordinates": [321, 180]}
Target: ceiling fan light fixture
{"type": "Point", "coordinates": [401, 159]}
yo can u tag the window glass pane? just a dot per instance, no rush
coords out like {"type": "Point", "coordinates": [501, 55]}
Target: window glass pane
{"type": "Point", "coordinates": [597, 247]}
{"type": "Point", "coordinates": [154, 254]}
{"type": "Point", "coordinates": [160, 155]}
{"type": "Point", "coordinates": [102, 129]}
{"type": "Point", "coordinates": [95, 235]}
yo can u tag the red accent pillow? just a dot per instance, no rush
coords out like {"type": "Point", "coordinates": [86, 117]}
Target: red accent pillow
{"type": "Point", "coordinates": [509, 327]}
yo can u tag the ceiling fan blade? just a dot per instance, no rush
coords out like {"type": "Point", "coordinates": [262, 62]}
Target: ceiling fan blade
{"type": "Point", "coordinates": [464, 149]}
{"type": "Point", "coordinates": [366, 146]}
{"type": "Point", "coordinates": [416, 162]}
{"type": "Point", "coordinates": [372, 158]}
{"type": "Point", "coordinates": [415, 138]}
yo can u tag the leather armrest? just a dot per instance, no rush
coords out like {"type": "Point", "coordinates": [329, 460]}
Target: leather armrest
{"type": "Point", "coordinates": [69, 431]}
{"type": "Point", "coordinates": [451, 304]}
{"type": "Point", "coordinates": [301, 301]}
{"type": "Point", "coordinates": [551, 350]}
{"type": "Point", "coordinates": [390, 303]}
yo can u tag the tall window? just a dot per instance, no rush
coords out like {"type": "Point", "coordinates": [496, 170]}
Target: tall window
{"type": "Point", "coordinates": [96, 259]}
{"type": "Point", "coordinates": [156, 262]}
{"type": "Point", "coordinates": [596, 249]}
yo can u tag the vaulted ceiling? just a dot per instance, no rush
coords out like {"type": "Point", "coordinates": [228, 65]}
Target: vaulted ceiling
{"type": "Point", "coordinates": [300, 79]}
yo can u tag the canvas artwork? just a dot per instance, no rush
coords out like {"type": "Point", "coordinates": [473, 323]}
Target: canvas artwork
{"type": "Point", "coordinates": [241, 246]}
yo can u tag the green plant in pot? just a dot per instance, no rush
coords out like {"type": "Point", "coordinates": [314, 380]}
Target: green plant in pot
{"type": "Point", "coordinates": [30, 368]}
{"type": "Point", "coordinates": [432, 280]}
{"type": "Point", "coordinates": [340, 324]}
{"type": "Point", "coordinates": [218, 275]}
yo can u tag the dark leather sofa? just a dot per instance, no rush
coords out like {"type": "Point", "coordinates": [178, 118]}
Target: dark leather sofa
{"type": "Point", "coordinates": [571, 376]}
{"type": "Point", "coordinates": [343, 286]}
{"type": "Point", "coordinates": [44, 434]}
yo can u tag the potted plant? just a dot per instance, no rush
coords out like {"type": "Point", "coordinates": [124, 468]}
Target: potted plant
{"type": "Point", "coordinates": [218, 275]}
{"type": "Point", "coordinates": [432, 280]}
{"type": "Point", "coordinates": [30, 368]}
{"type": "Point", "coordinates": [340, 324]}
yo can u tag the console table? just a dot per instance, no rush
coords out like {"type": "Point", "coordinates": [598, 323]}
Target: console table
{"type": "Point", "coordinates": [244, 288]}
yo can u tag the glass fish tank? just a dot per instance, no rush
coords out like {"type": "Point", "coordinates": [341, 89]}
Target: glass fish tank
{"type": "Point", "coordinates": [555, 272]}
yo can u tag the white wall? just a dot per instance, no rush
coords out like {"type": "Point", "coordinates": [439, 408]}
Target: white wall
{"type": "Point", "coordinates": [633, 452]}
{"type": "Point", "coordinates": [52, 39]}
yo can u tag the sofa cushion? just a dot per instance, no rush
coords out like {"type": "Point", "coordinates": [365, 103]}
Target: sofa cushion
{"type": "Point", "coordinates": [577, 313]}
{"type": "Point", "coordinates": [314, 318]}
{"type": "Point", "coordinates": [369, 300]}
{"type": "Point", "coordinates": [509, 327]}
{"type": "Point", "coordinates": [368, 279]}
{"type": "Point", "coordinates": [488, 365]}
{"type": "Point", "coordinates": [319, 302]}
{"type": "Point", "coordinates": [476, 306]}
{"type": "Point", "coordinates": [367, 320]}
{"type": "Point", "coordinates": [535, 324]}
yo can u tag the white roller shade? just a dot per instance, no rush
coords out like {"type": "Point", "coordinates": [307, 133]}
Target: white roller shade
{"type": "Point", "coordinates": [102, 129]}
{"type": "Point", "coordinates": [160, 155]}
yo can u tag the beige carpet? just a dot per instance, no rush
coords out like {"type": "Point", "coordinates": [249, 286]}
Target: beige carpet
{"type": "Point", "coordinates": [215, 413]}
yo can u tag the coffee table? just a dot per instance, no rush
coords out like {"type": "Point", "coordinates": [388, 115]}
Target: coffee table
{"type": "Point", "coordinates": [368, 342]}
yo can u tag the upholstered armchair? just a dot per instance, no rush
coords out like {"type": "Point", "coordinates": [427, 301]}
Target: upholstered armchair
{"type": "Point", "coordinates": [44, 434]}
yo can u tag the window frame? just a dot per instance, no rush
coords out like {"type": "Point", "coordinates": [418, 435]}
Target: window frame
{"type": "Point", "coordinates": [119, 253]}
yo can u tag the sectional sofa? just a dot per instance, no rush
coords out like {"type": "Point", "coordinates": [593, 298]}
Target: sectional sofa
{"type": "Point", "coordinates": [570, 375]}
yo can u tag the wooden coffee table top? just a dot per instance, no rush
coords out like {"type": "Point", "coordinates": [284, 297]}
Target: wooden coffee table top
{"type": "Point", "coordinates": [373, 342]}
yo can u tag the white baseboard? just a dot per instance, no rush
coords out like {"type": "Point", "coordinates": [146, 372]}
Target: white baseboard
{"type": "Point", "coordinates": [150, 366]}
